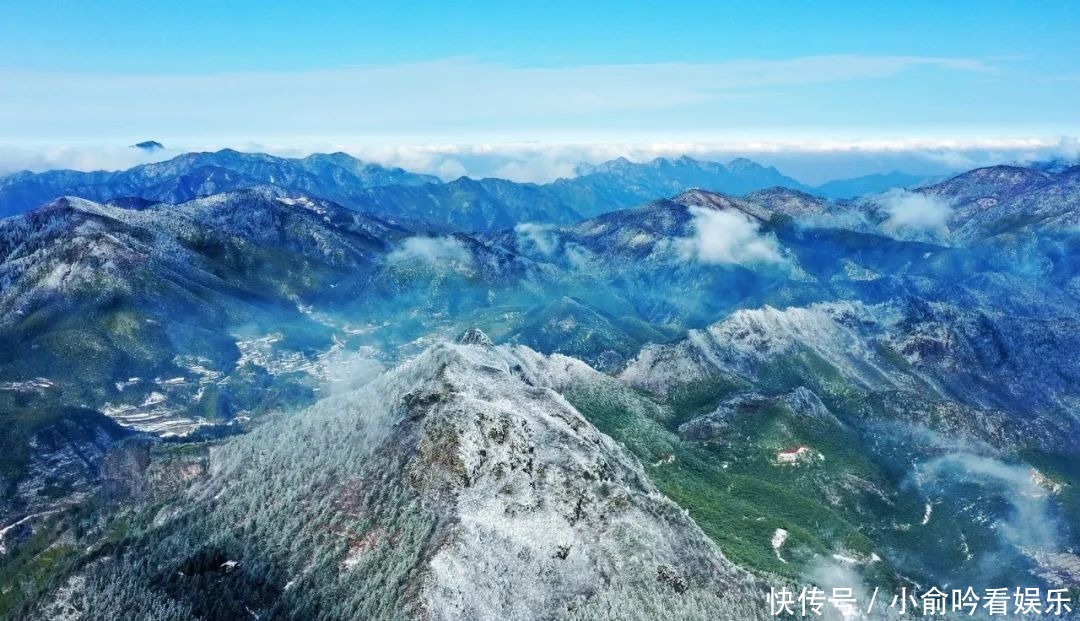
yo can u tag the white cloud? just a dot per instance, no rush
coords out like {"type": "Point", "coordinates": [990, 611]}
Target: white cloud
{"type": "Point", "coordinates": [727, 236]}
{"type": "Point", "coordinates": [430, 250]}
{"type": "Point", "coordinates": [578, 256]}
{"type": "Point", "coordinates": [1031, 526]}
{"type": "Point", "coordinates": [538, 236]}
{"type": "Point", "coordinates": [450, 169]}
{"type": "Point", "coordinates": [839, 572]}
{"type": "Point", "coordinates": [537, 168]}
{"type": "Point", "coordinates": [349, 370]}
{"type": "Point", "coordinates": [86, 157]}
{"type": "Point", "coordinates": [915, 211]}
{"type": "Point", "coordinates": [810, 160]}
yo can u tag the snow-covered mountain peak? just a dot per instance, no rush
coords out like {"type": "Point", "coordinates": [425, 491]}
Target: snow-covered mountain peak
{"type": "Point", "coordinates": [530, 511]}
{"type": "Point", "coordinates": [711, 200]}
{"type": "Point", "coordinates": [748, 339]}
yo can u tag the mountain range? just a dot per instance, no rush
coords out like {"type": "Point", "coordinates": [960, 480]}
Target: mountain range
{"type": "Point", "coordinates": [464, 203]}
{"type": "Point", "coordinates": [192, 175]}
{"type": "Point", "coordinates": [612, 396]}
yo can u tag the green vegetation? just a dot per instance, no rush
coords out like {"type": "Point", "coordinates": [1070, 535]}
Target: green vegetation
{"type": "Point", "coordinates": [733, 487]}
{"type": "Point", "coordinates": [35, 568]}
{"type": "Point", "coordinates": [21, 423]}
{"type": "Point", "coordinates": [1063, 469]}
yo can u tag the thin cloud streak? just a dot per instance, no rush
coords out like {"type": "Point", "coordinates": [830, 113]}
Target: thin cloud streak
{"type": "Point", "coordinates": [401, 99]}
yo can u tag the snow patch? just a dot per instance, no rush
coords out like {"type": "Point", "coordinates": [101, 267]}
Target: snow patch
{"type": "Point", "coordinates": [778, 539]}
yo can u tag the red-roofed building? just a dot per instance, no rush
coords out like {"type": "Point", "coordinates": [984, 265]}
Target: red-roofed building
{"type": "Point", "coordinates": [792, 455]}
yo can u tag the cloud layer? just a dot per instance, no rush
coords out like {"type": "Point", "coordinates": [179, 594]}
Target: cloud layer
{"type": "Point", "coordinates": [810, 161]}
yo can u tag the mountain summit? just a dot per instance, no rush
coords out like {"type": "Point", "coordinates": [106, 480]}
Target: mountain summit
{"type": "Point", "coordinates": [150, 146]}
{"type": "Point", "coordinates": [669, 176]}
{"type": "Point", "coordinates": [460, 485]}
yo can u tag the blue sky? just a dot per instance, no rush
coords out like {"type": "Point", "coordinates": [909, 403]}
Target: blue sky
{"type": "Point", "coordinates": [753, 77]}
